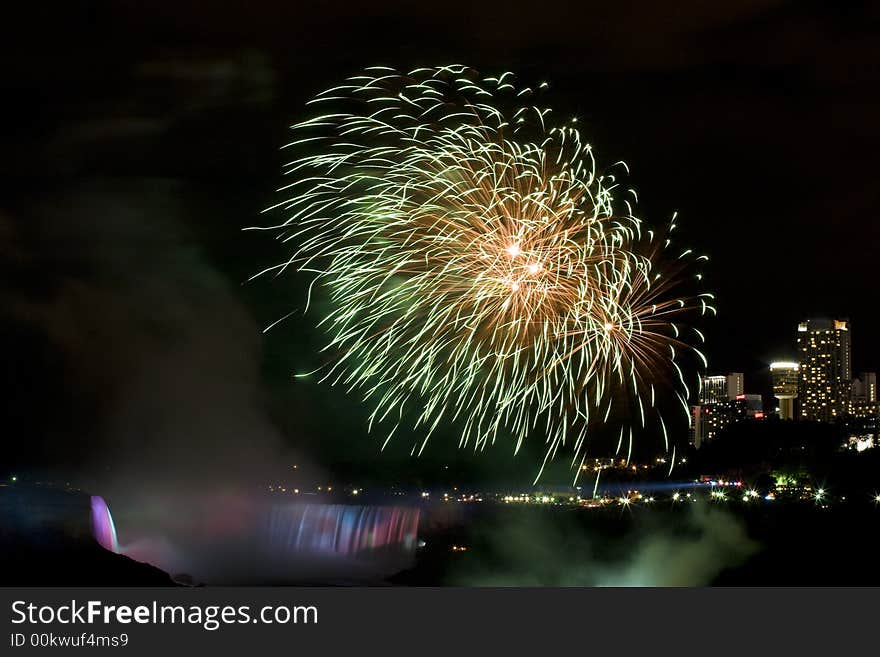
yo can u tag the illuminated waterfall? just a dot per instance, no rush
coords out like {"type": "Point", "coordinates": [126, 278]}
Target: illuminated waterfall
{"type": "Point", "coordinates": [342, 529]}
{"type": "Point", "coordinates": [103, 528]}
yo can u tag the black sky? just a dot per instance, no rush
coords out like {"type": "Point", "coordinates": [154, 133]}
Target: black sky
{"type": "Point", "coordinates": [137, 142]}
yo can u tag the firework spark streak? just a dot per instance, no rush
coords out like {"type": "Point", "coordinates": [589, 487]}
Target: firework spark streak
{"type": "Point", "coordinates": [480, 271]}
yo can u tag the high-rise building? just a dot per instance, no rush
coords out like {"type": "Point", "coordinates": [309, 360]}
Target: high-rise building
{"type": "Point", "coordinates": [785, 386]}
{"type": "Point", "coordinates": [713, 389]}
{"type": "Point", "coordinates": [865, 420]}
{"type": "Point", "coordinates": [709, 420]}
{"type": "Point", "coordinates": [864, 425]}
{"type": "Point", "coordinates": [864, 388]}
{"type": "Point", "coordinates": [735, 385]}
{"type": "Point", "coordinates": [869, 380]}
{"type": "Point", "coordinates": [825, 373]}
{"type": "Point", "coordinates": [697, 428]}
{"type": "Point", "coordinates": [720, 388]}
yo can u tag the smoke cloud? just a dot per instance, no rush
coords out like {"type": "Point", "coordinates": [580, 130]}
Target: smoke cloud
{"type": "Point", "coordinates": [687, 548]}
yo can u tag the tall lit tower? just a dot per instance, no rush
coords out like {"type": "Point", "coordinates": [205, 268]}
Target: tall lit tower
{"type": "Point", "coordinates": [721, 387]}
{"type": "Point", "coordinates": [785, 387]}
{"type": "Point", "coordinates": [825, 374]}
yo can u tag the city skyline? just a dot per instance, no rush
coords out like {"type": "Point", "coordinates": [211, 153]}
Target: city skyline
{"type": "Point", "coordinates": [820, 386]}
{"type": "Point", "coordinates": [860, 385]}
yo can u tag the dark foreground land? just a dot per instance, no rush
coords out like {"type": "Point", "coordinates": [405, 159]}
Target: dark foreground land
{"type": "Point", "coordinates": [46, 540]}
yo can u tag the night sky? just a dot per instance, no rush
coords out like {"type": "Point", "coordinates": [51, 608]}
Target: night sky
{"type": "Point", "coordinates": [137, 143]}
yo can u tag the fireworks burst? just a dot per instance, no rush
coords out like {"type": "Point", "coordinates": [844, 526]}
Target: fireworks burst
{"type": "Point", "coordinates": [479, 269]}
